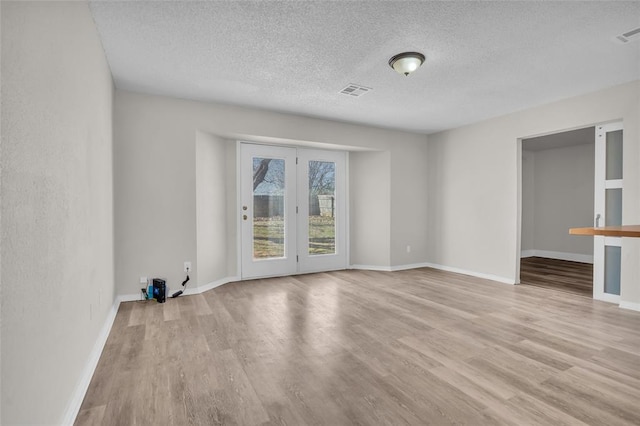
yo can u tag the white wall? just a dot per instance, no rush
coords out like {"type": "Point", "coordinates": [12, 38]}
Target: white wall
{"type": "Point", "coordinates": [563, 199]}
{"type": "Point", "coordinates": [473, 182]}
{"type": "Point", "coordinates": [370, 209]}
{"type": "Point", "coordinates": [528, 200]}
{"type": "Point", "coordinates": [409, 209]}
{"type": "Point", "coordinates": [57, 209]}
{"type": "Point", "coordinates": [155, 182]}
{"type": "Point", "coordinates": [211, 208]}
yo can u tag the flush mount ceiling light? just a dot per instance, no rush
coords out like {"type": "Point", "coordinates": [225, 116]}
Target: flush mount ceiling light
{"type": "Point", "coordinates": [407, 62]}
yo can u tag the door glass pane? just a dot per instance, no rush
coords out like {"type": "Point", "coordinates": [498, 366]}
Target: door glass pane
{"type": "Point", "coordinates": [614, 155]}
{"type": "Point", "coordinates": [322, 207]}
{"type": "Point", "coordinates": [613, 207]}
{"type": "Point", "coordinates": [612, 265]}
{"type": "Point", "coordinates": [268, 208]}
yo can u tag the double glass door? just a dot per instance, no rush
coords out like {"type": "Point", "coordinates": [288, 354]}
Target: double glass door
{"type": "Point", "coordinates": [293, 210]}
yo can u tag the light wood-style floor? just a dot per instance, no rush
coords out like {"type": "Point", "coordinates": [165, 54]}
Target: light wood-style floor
{"type": "Point", "coordinates": [562, 275]}
{"type": "Point", "coordinates": [355, 347]}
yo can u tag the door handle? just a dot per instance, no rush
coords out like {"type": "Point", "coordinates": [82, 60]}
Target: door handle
{"type": "Point", "coordinates": [598, 220]}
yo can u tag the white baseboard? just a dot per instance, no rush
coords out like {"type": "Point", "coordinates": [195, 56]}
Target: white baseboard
{"type": "Point", "coordinates": [435, 266]}
{"type": "Point", "coordinates": [129, 297]}
{"type": "Point", "coordinates": [471, 273]}
{"type": "Point", "coordinates": [83, 385]}
{"type": "Point", "coordinates": [210, 286]}
{"type": "Point", "coordinates": [188, 292]}
{"type": "Point", "coordinates": [90, 367]}
{"type": "Point", "coordinates": [389, 268]}
{"type": "Point", "coordinates": [573, 257]}
{"type": "Point", "coordinates": [630, 305]}
{"type": "Point", "coordinates": [527, 253]}
{"type": "Point", "coordinates": [410, 266]}
{"type": "Point", "coordinates": [371, 268]}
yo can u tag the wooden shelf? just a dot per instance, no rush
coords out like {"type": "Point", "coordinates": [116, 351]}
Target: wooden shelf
{"type": "Point", "coordinates": [609, 231]}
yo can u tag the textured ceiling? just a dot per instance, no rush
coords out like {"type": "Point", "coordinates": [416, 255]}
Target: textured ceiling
{"type": "Point", "coordinates": [484, 59]}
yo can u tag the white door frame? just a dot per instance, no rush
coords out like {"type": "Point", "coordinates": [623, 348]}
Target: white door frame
{"type": "Point", "coordinates": [610, 241]}
{"type": "Point", "coordinates": [287, 264]}
{"type": "Point", "coordinates": [345, 229]}
{"type": "Point", "coordinates": [322, 262]}
{"type": "Point", "coordinates": [600, 186]}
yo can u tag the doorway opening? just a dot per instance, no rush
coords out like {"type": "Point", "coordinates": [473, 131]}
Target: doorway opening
{"type": "Point", "coordinates": [557, 193]}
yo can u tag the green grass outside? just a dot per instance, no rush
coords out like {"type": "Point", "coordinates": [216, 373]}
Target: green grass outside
{"type": "Point", "coordinates": [268, 236]}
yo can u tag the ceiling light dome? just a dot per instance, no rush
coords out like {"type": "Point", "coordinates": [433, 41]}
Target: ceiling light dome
{"type": "Point", "coordinates": [407, 62]}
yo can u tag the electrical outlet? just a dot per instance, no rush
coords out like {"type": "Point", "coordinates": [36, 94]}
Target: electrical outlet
{"type": "Point", "coordinates": [408, 249]}
{"type": "Point", "coordinates": [187, 267]}
{"type": "Point", "coordinates": [143, 280]}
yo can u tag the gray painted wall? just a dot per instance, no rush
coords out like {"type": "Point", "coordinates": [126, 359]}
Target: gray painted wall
{"type": "Point", "coordinates": [473, 183]}
{"type": "Point", "coordinates": [57, 208]}
{"type": "Point", "coordinates": [528, 200]}
{"type": "Point", "coordinates": [156, 207]}
{"type": "Point", "coordinates": [370, 209]}
{"type": "Point", "coordinates": [558, 195]}
{"type": "Point", "coordinates": [211, 211]}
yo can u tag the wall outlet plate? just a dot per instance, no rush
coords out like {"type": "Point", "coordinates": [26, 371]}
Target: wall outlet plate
{"type": "Point", "coordinates": [187, 267]}
{"type": "Point", "coordinates": [143, 280]}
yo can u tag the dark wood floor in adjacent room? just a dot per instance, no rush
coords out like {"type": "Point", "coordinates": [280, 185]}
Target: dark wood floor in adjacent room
{"type": "Point", "coordinates": [369, 348]}
{"type": "Point", "coordinates": [562, 275]}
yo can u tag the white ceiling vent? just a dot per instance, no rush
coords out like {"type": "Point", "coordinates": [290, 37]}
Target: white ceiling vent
{"type": "Point", "coordinates": [632, 35]}
{"type": "Point", "coordinates": [355, 90]}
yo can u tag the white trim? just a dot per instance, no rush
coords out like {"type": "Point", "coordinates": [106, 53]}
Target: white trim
{"type": "Point", "coordinates": [307, 262]}
{"type": "Point", "coordinates": [410, 266]}
{"type": "Point", "coordinates": [630, 305]}
{"type": "Point", "coordinates": [71, 413]}
{"type": "Point", "coordinates": [613, 184]}
{"type": "Point", "coordinates": [73, 408]}
{"type": "Point", "coordinates": [238, 212]}
{"type": "Point", "coordinates": [347, 224]}
{"type": "Point", "coordinates": [527, 253]}
{"type": "Point", "coordinates": [573, 257]}
{"type": "Point", "coordinates": [210, 286]}
{"type": "Point", "coordinates": [390, 268]}
{"type": "Point", "coordinates": [434, 266]}
{"type": "Point", "coordinates": [606, 297]}
{"type": "Point", "coordinates": [129, 298]}
{"type": "Point", "coordinates": [190, 291]}
{"type": "Point", "coordinates": [613, 241]}
{"type": "Point", "coordinates": [471, 273]}
{"type": "Point", "coordinates": [287, 264]}
{"type": "Point", "coordinates": [371, 268]}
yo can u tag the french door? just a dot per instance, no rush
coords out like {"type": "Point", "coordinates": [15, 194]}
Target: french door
{"type": "Point", "coordinates": [293, 210]}
{"type": "Point", "coordinates": [607, 251]}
